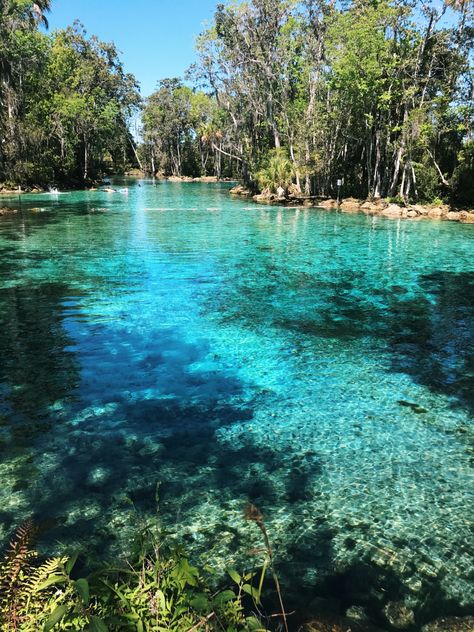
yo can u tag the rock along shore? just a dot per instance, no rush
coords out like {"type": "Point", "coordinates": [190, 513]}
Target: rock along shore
{"type": "Point", "coordinates": [379, 207]}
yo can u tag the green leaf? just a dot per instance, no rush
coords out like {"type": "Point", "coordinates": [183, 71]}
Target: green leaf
{"type": "Point", "coordinates": [56, 617]}
{"type": "Point", "coordinates": [224, 596]}
{"type": "Point", "coordinates": [161, 600]}
{"type": "Point", "coordinates": [82, 587]}
{"type": "Point", "coordinates": [253, 592]}
{"type": "Point", "coordinates": [187, 572]}
{"type": "Point", "coordinates": [200, 602]}
{"type": "Point", "coordinates": [52, 579]}
{"type": "Point", "coordinates": [235, 576]}
{"type": "Point", "coordinates": [97, 625]}
{"type": "Point", "coordinates": [252, 624]}
{"type": "Point", "coordinates": [71, 562]}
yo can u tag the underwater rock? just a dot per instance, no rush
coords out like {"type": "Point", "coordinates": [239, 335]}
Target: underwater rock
{"type": "Point", "coordinates": [98, 477]}
{"type": "Point", "coordinates": [399, 615]}
{"type": "Point", "coordinates": [338, 623]}
{"type": "Point", "coordinates": [357, 613]}
{"type": "Point", "coordinates": [450, 624]}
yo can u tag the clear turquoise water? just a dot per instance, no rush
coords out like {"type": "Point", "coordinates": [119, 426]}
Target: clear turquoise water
{"type": "Point", "coordinates": [181, 345]}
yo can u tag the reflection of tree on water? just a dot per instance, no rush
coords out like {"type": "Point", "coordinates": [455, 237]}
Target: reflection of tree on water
{"type": "Point", "coordinates": [36, 370]}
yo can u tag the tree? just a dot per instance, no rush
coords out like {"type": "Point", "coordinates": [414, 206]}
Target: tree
{"type": "Point", "coordinates": [182, 129]}
{"type": "Point", "coordinates": [67, 102]}
{"type": "Point", "coordinates": [376, 91]}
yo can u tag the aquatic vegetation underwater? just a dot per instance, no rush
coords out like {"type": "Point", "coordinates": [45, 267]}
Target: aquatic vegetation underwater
{"type": "Point", "coordinates": [181, 345]}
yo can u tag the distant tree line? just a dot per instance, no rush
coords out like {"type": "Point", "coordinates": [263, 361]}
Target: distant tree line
{"type": "Point", "coordinates": [300, 93]}
{"type": "Point", "coordinates": [65, 101]}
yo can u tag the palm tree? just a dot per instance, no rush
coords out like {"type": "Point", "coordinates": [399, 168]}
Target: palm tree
{"type": "Point", "coordinates": [278, 172]}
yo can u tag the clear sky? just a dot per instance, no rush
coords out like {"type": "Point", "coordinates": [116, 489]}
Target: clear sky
{"type": "Point", "coordinates": [156, 37]}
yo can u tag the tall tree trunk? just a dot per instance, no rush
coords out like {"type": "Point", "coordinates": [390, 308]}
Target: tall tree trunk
{"type": "Point", "coordinates": [376, 191]}
{"type": "Point", "coordinates": [86, 159]}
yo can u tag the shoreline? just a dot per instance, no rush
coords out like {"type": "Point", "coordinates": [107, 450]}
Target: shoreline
{"type": "Point", "coordinates": [379, 208]}
{"type": "Point", "coordinates": [21, 190]}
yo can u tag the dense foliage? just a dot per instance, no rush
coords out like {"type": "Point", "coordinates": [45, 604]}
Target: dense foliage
{"type": "Point", "coordinates": [157, 590]}
{"type": "Point", "coordinates": [377, 92]}
{"type": "Point", "coordinates": [65, 101]}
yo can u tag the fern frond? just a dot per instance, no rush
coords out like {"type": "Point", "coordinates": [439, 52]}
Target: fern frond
{"type": "Point", "coordinates": [17, 557]}
{"type": "Point", "coordinates": [49, 573]}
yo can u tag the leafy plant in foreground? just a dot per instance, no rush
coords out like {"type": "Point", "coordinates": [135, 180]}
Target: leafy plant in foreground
{"type": "Point", "coordinates": [160, 590]}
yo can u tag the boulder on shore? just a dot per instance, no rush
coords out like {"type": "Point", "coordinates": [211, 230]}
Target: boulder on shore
{"type": "Point", "coordinates": [419, 209]}
{"type": "Point", "coordinates": [453, 216]}
{"type": "Point", "coordinates": [394, 211]}
{"type": "Point", "coordinates": [241, 191]}
{"type": "Point", "coordinates": [465, 217]}
{"type": "Point", "coordinates": [437, 212]}
{"type": "Point", "coordinates": [329, 203]}
{"type": "Point", "coordinates": [350, 204]}
{"type": "Point", "coordinates": [373, 207]}
{"type": "Point", "coordinates": [180, 178]}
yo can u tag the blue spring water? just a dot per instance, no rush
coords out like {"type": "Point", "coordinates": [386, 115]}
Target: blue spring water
{"type": "Point", "coordinates": [170, 354]}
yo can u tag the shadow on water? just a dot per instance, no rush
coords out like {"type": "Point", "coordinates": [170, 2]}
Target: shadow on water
{"type": "Point", "coordinates": [429, 332]}
{"type": "Point", "coordinates": [432, 338]}
{"type": "Point", "coordinates": [36, 369]}
{"type": "Point", "coordinates": [86, 479]}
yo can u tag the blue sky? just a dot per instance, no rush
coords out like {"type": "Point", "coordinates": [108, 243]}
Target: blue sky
{"type": "Point", "coordinates": [156, 37]}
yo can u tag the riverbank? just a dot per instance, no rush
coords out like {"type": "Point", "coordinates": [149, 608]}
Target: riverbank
{"type": "Point", "coordinates": [380, 207]}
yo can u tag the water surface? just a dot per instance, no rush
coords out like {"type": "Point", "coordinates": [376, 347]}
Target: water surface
{"type": "Point", "coordinates": [172, 353]}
